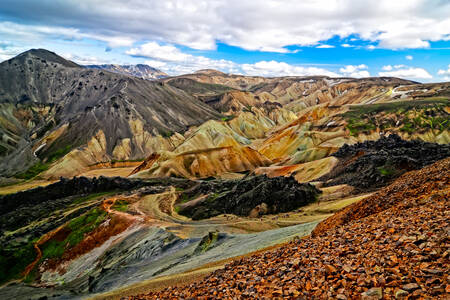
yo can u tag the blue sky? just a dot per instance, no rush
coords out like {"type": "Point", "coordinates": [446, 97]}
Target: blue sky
{"type": "Point", "coordinates": [407, 39]}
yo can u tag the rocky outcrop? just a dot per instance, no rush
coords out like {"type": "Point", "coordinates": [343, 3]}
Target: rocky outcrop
{"type": "Point", "coordinates": [373, 164]}
{"type": "Point", "coordinates": [412, 186]}
{"type": "Point", "coordinates": [251, 196]}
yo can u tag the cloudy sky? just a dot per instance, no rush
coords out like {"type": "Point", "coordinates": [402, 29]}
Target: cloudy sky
{"type": "Point", "coordinates": [402, 38]}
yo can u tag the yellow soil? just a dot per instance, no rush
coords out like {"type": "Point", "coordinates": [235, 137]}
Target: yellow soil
{"type": "Point", "coordinates": [110, 172]}
{"type": "Point", "coordinates": [9, 189]}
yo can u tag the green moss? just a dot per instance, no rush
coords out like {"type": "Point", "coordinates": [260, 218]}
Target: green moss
{"type": "Point", "coordinates": [3, 150]}
{"type": "Point", "coordinates": [227, 118]}
{"type": "Point", "coordinates": [185, 198]}
{"type": "Point", "coordinates": [14, 260]}
{"type": "Point", "coordinates": [54, 156]}
{"type": "Point", "coordinates": [120, 205]}
{"type": "Point", "coordinates": [413, 115]}
{"type": "Point", "coordinates": [33, 171]}
{"type": "Point", "coordinates": [357, 126]}
{"type": "Point", "coordinates": [408, 127]}
{"type": "Point", "coordinates": [386, 170]}
{"type": "Point", "coordinates": [207, 242]}
{"type": "Point", "coordinates": [79, 227]}
{"type": "Point", "coordinates": [212, 197]}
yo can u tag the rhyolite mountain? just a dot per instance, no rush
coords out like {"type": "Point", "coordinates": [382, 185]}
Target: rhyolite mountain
{"type": "Point", "coordinates": [218, 166]}
{"type": "Point", "coordinates": [140, 70]}
{"type": "Point", "coordinates": [50, 105]}
{"type": "Point", "coordinates": [59, 119]}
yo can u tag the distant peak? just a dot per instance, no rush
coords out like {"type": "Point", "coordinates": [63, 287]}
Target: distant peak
{"type": "Point", "coordinates": [209, 72]}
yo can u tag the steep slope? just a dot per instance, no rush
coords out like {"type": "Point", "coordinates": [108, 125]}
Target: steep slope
{"type": "Point", "coordinates": [51, 106]}
{"type": "Point", "coordinates": [397, 250]}
{"type": "Point", "coordinates": [139, 70]}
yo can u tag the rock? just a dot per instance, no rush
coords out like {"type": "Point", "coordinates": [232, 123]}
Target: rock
{"type": "Point", "coordinates": [255, 195]}
{"type": "Point", "coordinates": [373, 164]}
{"type": "Point", "coordinates": [399, 294]}
{"type": "Point", "coordinates": [373, 293]}
{"type": "Point", "coordinates": [410, 287]}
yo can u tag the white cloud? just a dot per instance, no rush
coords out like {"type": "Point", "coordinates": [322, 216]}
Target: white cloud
{"type": "Point", "coordinates": [371, 47]}
{"type": "Point", "coordinates": [86, 60]}
{"type": "Point", "coordinates": [274, 68]}
{"type": "Point", "coordinates": [409, 57]}
{"type": "Point", "coordinates": [399, 66]}
{"type": "Point", "coordinates": [325, 46]}
{"type": "Point", "coordinates": [269, 25]}
{"type": "Point", "coordinates": [445, 73]}
{"type": "Point", "coordinates": [403, 71]}
{"type": "Point", "coordinates": [387, 68]}
{"type": "Point", "coordinates": [34, 34]}
{"type": "Point", "coordinates": [347, 46]}
{"type": "Point", "coordinates": [156, 63]}
{"type": "Point", "coordinates": [357, 71]}
{"type": "Point", "coordinates": [8, 50]}
{"type": "Point", "coordinates": [173, 61]}
{"type": "Point", "coordinates": [156, 51]}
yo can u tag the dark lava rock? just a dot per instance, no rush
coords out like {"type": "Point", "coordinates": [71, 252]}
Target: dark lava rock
{"type": "Point", "coordinates": [22, 208]}
{"type": "Point", "coordinates": [373, 164]}
{"type": "Point", "coordinates": [265, 195]}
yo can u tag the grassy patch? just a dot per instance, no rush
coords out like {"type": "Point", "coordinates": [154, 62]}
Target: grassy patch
{"type": "Point", "coordinates": [120, 205]}
{"type": "Point", "coordinates": [207, 241]}
{"type": "Point", "coordinates": [14, 260]}
{"type": "Point", "coordinates": [185, 198]}
{"type": "Point", "coordinates": [40, 167]}
{"type": "Point", "coordinates": [54, 156]}
{"type": "Point", "coordinates": [227, 118]}
{"type": "Point", "coordinates": [212, 197]}
{"type": "Point", "coordinates": [33, 171]}
{"type": "Point", "coordinates": [386, 170]}
{"type": "Point", "coordinates": [78, 228]}
{"type": "Point", "coordinates": [406, 116]}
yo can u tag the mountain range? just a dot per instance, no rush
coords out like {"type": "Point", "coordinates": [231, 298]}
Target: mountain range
{"type": "Point", "coordinates": [121, 180]}
{"type": "Point", "coordinates": [139, 70]}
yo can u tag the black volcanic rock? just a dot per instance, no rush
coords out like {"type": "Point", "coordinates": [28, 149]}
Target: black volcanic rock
{"type": "Point", "coordinates": [373, 164]}
{"type": "Point", "coordinates": [252, 195]}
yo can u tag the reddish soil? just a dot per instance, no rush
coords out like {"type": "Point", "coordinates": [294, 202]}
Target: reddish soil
{"type": "Point", "coordinates": [393, 244]}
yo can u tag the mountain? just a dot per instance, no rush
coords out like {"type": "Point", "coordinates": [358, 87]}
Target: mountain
{"type": "Point", "coordinates": [51, 106]}
{"type": "Point", "coordinates": [123, 186]}
{"type": "Point", "coordinates": [139, 70]}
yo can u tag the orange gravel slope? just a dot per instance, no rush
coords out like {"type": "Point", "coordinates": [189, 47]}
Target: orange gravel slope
{"type": "Point", "coordinates": [394, 244]}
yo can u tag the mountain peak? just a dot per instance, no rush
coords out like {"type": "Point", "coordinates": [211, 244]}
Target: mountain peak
{"type": "Point", "coordinates": [209, 72]}
{"type": "Point", "coordinates": [47, 55]}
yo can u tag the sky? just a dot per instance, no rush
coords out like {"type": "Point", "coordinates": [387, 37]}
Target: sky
{"type": "Point", "coordinates": [352, 38]}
